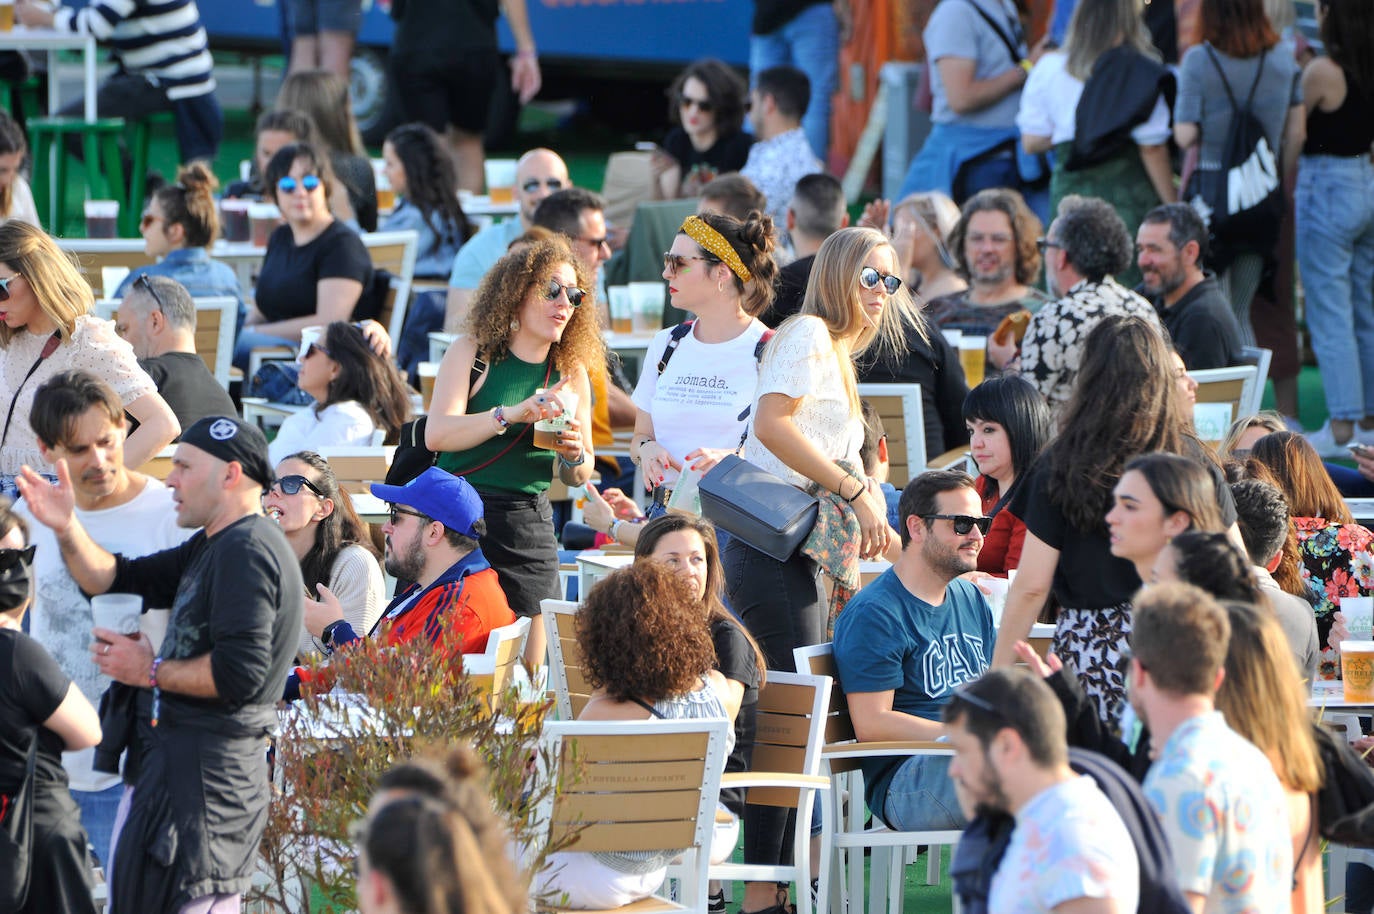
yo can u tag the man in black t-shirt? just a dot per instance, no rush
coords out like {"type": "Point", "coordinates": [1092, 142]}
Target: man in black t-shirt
{"type": "Point", "coordinates": [207, 701]}
{"type": "Point", "coordinates": [158, 318]}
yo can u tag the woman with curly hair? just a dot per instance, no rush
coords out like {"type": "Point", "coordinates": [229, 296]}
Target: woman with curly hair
{"type": "Point", "coordinates": [422, 174]}
{"type": "Point", "coordinates": [1065, 500]}
{"type": "Point", "coordinates": [532, 333]}
{"type": "Point", "coordinates": [706, 104]}
{"type": "Point", "coordinates": [356, 391]}
{"type": "Point", "coordinates": [669, 675]}
{"type": "Point", "coordinates": [330, 541]}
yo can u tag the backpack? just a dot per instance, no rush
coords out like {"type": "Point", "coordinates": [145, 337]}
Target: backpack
{"type": "Point", "coordinates": [1242, 202]}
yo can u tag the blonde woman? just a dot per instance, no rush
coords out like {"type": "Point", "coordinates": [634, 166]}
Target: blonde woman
{"type": "Point", "coordinates": [46, 327]}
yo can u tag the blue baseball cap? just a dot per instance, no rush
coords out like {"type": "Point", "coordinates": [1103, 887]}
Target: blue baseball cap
{"type": "Point", "coordinates": [440, 495]}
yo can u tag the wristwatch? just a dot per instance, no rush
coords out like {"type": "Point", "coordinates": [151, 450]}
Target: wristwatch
{"type": "Point", "coordinates": [327, 636]}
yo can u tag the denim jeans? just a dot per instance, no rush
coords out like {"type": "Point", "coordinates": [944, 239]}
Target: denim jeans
{"type": "Point", "coordinates": [98, 809]}
{"type": "Point", "coordinates": [1335, 248]}
{"type": "Point", "coordinates": [250, 339]}
{"type": "Point", "coordinates": [921, 797]}
{"type": "Point", "coordinates": [811, 43]}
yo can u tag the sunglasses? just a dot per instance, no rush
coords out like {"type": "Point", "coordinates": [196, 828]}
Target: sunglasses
{"type": "Point", "coordinates": [575, 295]}
{"type": "Point", "coordinates": [147, 220]}
{"type": "Point", "coordinates": [312, 349]}
{"type": "Point", "coordinates": [397, 511]}
{"type": "Point", "coordinates": [143, 282]}
{"type": "Point", "coordinates": [674, 264]}
{"type": "Point", "coordinates": [289, 184]}
{"type": "Point", "coordinates": [704, 105]}
{"type": "Point", "coordinates": [963, 523]}
{"type": "Point", "coordinates": [869, 279]}
{"type": "Point", "coordinates": [5, 286]}
{"type": "Point", "coordinates": [1044, 244]}
{"type": "Point", "coordinates": [9, 558]}
{"type": "Point", "coordinates": [964, 694]}
{"type": "Point", "coordinates": [291, 485]}
{"type": "Point", "coordinates": [532, 185]}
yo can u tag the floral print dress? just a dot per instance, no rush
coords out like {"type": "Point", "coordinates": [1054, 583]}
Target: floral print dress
{"type": "Point", "coordinates": [1337, 561]}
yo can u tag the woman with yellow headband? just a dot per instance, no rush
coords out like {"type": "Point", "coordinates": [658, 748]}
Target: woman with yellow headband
{"type": "Point", "coordinates": [697, 380]}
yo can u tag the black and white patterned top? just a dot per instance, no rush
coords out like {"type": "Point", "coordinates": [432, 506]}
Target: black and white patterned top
{"type": "Point", "coordinates": [1053, 347]}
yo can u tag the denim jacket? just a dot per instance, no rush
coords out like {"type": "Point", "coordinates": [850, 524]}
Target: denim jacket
{"type": "Point", "coordinates": [434, 253]}
{"type": "Point", "coordinates": [202, 276]}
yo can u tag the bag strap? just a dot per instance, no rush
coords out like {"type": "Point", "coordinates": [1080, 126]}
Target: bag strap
{"type": "Point", "coordinates": [1230, 97]}
{"type": "Point", "coordinates": [49, 347]}
{"type": "Point", "coordinates": [758, 357]}
{"type": "Point", "coordinates": [548, 373]}
{"type": "Point", "coordinates": [1012, 48]}
{"type": "Point", "coordinates": [674, 340]}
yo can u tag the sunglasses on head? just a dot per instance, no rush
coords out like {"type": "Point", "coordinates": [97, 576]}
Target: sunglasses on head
{"type": "Point", "coordinates": [704, 105]}
{"type": "Point", "coordinates": [963, 523]}
{"type": "Point", "coordinates": [532, 184]}
{"type": "Point", "coordinates": [143, 282]}
{"type": "Point", "coordinates": [869, 279]}
{"type": "Point", "coordinates": [12, 557]}
{"type": "Point", "coordinates": [288, 184]}
{"type": "Point", "coordinates": [575, 295]}
{"type": "Point", "coordinates": [312, 349]}
{"type": "Point", "coordinates": [5, 286]}
{"type": "Point", "coordinates": [291, 485]}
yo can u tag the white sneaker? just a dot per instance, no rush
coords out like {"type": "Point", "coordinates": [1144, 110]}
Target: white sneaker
{"type": "Point", "coordinates": [1326, 446]}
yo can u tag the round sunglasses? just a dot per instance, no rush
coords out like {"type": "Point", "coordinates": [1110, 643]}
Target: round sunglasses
{"type": "Point", "coordinates": [288, 184]}
{"type": "Point", "coordinates": [575, 295]}
{"type": "Point", "coordinates": [869, 279]}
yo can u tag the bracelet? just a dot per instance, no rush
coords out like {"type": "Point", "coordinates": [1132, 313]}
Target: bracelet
{"type": "Point", "coordinates": [572, 464]}
{"type": "Point", "coordinates": [502, 424]}
{"type": "Point", "coordinates": [152, 673]}
{"type": "Point", "coordinates": [850, 500]}
{"type": "Point", "coordinates": [528, 52]}
{"type": "Point", "coordinates": [615, 526]}
{"type": "Point", "coordinates": [156, 712]}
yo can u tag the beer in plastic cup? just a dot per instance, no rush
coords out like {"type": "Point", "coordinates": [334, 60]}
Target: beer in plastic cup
{"type": "Point", "coordinates": [386, 197]}
{"type": "Point", "coordinates": [972, 355]}
{"type": "Point", "coordinates": [428, 372]}
{"type": "Point", "coordinates": [622, 309]}
{"type": "Point", "coordinates": [102, 218]}
{"type": "Point", "coordinates": [500, 175]}
{"type": "Point", "coordinates": [119, 612]}
{"type": "Point", "coordinates": [546, 431]}
{"type": "Point", "coordinates": [234, 220]}
{"type": "Point", "coordinates": [6, 15]}
{"type": "Point", "coordinates": [264, 218]}
{"type": "Point", "coordinates": [995, 592]}
{"type": "Point", "coordinates": [1357, 671]}
{"type": "Point", "coordinates": [648, 305]}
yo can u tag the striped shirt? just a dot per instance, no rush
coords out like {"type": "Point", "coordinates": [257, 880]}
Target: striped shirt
{"type": "Point", "coordinates": [162, 39]}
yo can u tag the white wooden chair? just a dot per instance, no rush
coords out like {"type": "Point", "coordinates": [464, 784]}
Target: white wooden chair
{"type": "Point", "coordinates": [843, 758]}
{"type": "Point", "coordinates": [1235, 387]}
{"type": "Point", "coordinates": [95, 254]}
{"type": "Point", "coordinates": [903, 417]}
{"type": "Point", "coordinates": [216, 319]}
{"type": "Point", "coordinates": [1260, 358]}
{"type": "Point", "coordinates": [638, 786]}
{"type": "Point", "coordinates": [394, 252]}
{"type": "Point", "coordinates": [564, 658]}
{"type": "Point", "coordinates": [505, 646]}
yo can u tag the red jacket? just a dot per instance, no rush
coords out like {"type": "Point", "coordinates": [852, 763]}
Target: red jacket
{"type": "Point", "coordinates": [1002, 546]}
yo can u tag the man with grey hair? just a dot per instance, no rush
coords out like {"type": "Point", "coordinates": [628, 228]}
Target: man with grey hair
{"type": "Point", "coordinates": [158, 318]}
{"type": "Point", "coordinates": [1086, 244]}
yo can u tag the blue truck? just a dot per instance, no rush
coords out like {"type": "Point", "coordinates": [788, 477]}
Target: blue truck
{"type": "Point", "coordinates": [616, 54]}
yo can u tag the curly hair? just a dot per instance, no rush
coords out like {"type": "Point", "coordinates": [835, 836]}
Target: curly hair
{"type": "Point", "coordinates": [641, 635]}
{"type": "Point", "coordinates": [1208, 559]}
{"type": "Point", "coordinates": [1025, 229]}
{"type": "Point", "coordinates": [503, 291]}
{"type": "Point", "coordinates": [1093, 237]}
{"type": "Point", "coordinates": [724, 87]}
{"type": "Point", "coordinates": [367, 378]}
{"type": "Point", "coordinates": [431, 181]}
{"type": "Point", "coordinates": [343, 527]}
{"type": "Point", "coordinates": [753, 240]}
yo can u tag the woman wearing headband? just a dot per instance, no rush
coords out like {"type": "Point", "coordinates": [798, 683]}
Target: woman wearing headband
{"type": "Point", "coordinates": [721, 271]}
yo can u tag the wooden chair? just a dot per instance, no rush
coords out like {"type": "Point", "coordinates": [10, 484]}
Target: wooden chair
{"type": "Point", "coordinates": [216, 319]}
{"type": "Point", "coordinates": [94, 254]}
{"type": "Point", "coordinates": [899, 406]}
{"type": "Point", "coordinates": [394, 252]}
{"type": "Point", "coordinates": [358, 467]}
{"type": "Point", "coordinates": [1260, 358]}
{"type": "Point", "coordinates": [1235, 387]}
{"type": "Point", "coordinates": [843, 756]}
{"type": "Point", "coordinates": [571, 689]}
{"type": "Point", "coordinates": [498, 663]}
{"type": "Point", "coordinates": [637, 786]}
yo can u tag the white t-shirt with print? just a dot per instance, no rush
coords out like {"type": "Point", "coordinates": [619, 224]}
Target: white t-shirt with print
{"type": "Point", "coordinates": [800, 362]}
{"type": "Point", "coordinates": [61, 619]}
{"type": "Point", "coordinates": [1069, 843]}
{"type": "Point", "coordinates": [698, 399]}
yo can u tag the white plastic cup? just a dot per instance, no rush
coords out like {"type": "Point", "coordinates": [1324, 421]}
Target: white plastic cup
{"type": "Point", "coordinates": [648, 305]}
{"type": "Point", "coordinates": [119, 612]}
{"type": "Point", "coordinates": [995, 592]}
{"type": "Point", "coordinates": [1359, 616]}
{"type": "Point", "coordinates": [622, 309]}
{"type": "Point", "coordinates": [500, 175]}
{"type": "Point", "coordinates": [102, 218]}
{"type": "Point", "coordinates": [1357, 671]}
{"type": "Point", "coordinates": [428, 372]}
{"type": "Point", "coordinates": [973, 355]}
{"type": "Point", "coordinates": [952, 337]}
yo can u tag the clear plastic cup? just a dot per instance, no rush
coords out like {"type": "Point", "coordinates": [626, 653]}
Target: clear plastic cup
{"type": "Point", "coordinates": [102, 218]}
{"type": "Point", "coordinates": [1357, 671]}
{"type": "Point", "coordinates": [500, 174]}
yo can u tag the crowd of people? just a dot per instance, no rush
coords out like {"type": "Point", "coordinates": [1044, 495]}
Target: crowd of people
{"type": "Point", "coordinates": [1064, 213]}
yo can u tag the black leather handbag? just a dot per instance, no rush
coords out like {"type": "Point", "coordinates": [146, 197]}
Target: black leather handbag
{"type": "Point", "coordinates": [760, 509]}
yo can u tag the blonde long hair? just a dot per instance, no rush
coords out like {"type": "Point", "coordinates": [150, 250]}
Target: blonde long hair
{"type": "Point", "coordinates": [1097, 26]}
{"type": "Point", "coordinates": [50, 272]}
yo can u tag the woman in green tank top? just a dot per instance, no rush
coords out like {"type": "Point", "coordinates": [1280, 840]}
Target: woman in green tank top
{"type": "Point", "coordinates": [530, 326]}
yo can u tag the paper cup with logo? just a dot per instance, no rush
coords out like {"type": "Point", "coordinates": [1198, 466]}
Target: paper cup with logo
{"type": "Point", "coordinates": [546, 431]}
{"type": "Point", "coordinates": [119, 612]}
{"type": "Point", "coordinates": [1357, 671]}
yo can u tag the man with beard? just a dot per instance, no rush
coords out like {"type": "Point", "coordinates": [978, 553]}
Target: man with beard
{"type": "Point", "coordinates": [454, 598]}
{"type": "Point", "coordinates": [1171, 247]}
{"type": "Point", "coordinates": [906, 641]}
{"type": "Point", "coordinates": [1011, 757]}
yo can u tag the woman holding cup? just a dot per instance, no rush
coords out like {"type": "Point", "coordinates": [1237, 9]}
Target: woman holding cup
{"type": "Point", "coordinates": [532, 332]}
{"type": "Point", "coordinates": [720, 270]}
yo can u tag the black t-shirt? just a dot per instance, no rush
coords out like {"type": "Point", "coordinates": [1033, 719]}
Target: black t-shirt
{"type": "Point", "coordinates": [429, 31]}
{"type": "Point", "coordinates": [236, 596]}
{"type": "Point", "coordinates": [736, 660]}
{"type": "Point", "coordinates": [933, 364]}
{"type": "Point", "coordinates": [32, 686]}
{"type": "Point", "coordinates": [1203, 327]}
{"type": "Point", "coordinates": [728, 153]}
{"type": "Point", "coordinates": [789, 289]}
{"type": "Point", "coordinates": [771, 15]}
{"type": "Point", "coordinates": [287, 285]}
{"type": "Point", "coordinates": [188, 387]}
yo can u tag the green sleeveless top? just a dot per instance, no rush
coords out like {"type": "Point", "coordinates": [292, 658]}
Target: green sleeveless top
{"type": "Point", "coordinates": [524, 468]}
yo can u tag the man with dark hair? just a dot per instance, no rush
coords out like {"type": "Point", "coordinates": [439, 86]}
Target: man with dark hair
{"type": "Point", "coordinates": [1084, 247]}
{"type": "Point", "coordinates": [731, 194]}
{"type": "Point", "coordinates": [782, 155]}
{"type": "Point", "coordinates": [208, 694]}
{"type": "Point", "coordinates": [1221, 807]}
{"type": "Point", "coordinates": [1263, 517]}
{"type": "Point", "coordinates": [1171, 247]}
{"type": "Point", "coordinates": [907, 640]}
{"type": "Point", "coordinates": [808, 34]}
{"type": "Point", "coordinates": [578, 215]}
{"type": "Point", "coordinates": [1011, 756]}
{"type": "Point", "coordinates": [816, 212]}
{"type": "Point", "coordinates": [158, 318]}
{"type": "Point", "coordinates": [80, 420]}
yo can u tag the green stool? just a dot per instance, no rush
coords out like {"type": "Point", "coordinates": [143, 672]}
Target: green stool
{"type": "Point", "coordinates": [142, 130]}
{"type": "Point", "coordinates": [104, 171]}
{"type": "Point", "coordinates": [27, 93]}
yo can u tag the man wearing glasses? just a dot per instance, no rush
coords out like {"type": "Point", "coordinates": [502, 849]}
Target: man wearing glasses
{"type": "Point", "coordinates": [905, 642]}
{"type": "Point", "coordinates": [79, 419]}
{"type": "Point", "coordinates": [454, 597]}
{"type": "Point", "coordinates": [539, 173]}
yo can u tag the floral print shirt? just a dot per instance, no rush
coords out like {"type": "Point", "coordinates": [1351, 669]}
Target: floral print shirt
{"type": "Point", "coordinates": [1337, 561]}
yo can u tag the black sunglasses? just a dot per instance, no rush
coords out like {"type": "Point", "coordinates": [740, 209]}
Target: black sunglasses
{"type": "Point", "coordinates": [5, 286]}
{"type": "Point", "coordinates": [964, 694]}
{"type": "Point", "coordinates": [575, 295]}
{"type": "Point", "coordinates": [869, 279]}
{"type": "Point", "coordinates": [704, 105]}
{"type": "Point", "coordinates": [291, 485]}
{"type": "Point", "coordinates": [1044, 243]}
{"type": "Point", "coordinates": [963, 523]}
{"type": "Point", "coordinates": [397, 511]}
{"type": "Point", "coordinates": [532, 185]}
{"type": "Point", "coordinates": [9, 558]}
{"type": "Point", "coordinates": [143, 282]}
